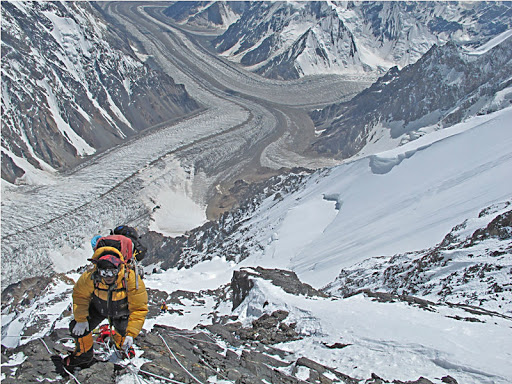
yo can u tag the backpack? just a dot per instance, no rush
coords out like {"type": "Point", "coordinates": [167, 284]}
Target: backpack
{"type": "Point", "coordinates": [139, 251]}
{"type": "Point", "coordinates": [121, 243]}
{"type": "Point", "coordinates": [125, 240]}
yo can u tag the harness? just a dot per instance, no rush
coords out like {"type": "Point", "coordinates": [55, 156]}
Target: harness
{"type": "Point", "coordinates": [114, 309]}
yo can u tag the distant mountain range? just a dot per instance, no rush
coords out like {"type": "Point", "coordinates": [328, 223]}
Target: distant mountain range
{"type": "Point", "coordinates": [72, 86]}
{"type": "Point", "coordinates": [207, 14]}
{"type": "Point", "coordinates": [286, 40]}
{"type": "Point", "coordinates": [444, 62]}
{"type": "Point", "coordinates": [390, 267]}
{"type": "Point", "coordinates": [447, 85]}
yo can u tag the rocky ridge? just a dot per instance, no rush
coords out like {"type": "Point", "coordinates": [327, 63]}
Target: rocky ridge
{"type": "Point", "coordinates": [229, 349]}
{"type": "Point", "coordinates": [73, 86]}
{"type": "Point", "coordinates": [443, 88]}
{"type": "Point", "coordinates": [469, 267]}
{"type": "Point", "coordinates": [223, 350]}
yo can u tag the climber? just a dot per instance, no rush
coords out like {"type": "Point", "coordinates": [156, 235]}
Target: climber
{"type": "Point", "coordinates": [108, 290]}
{"type": "Point", "coordinates": [163, 307]}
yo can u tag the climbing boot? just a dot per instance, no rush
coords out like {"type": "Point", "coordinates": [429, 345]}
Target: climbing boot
{"type": "Point", "coordinates": [83, 355]}
{"type": "Point", "coordinates": [83, 360]}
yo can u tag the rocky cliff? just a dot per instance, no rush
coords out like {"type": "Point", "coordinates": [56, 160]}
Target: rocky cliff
{"type": "Point", "coordinates": [444, 87]}
{"type": "Point", "coordinates": [73, 86]}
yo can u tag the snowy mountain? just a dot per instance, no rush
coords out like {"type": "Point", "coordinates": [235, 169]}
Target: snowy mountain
{"type": "Point", "coordinates": [72, 86]}
{"type": "Point", "coordinates": [392, 266]}
{"type": "Point", "coordinates": [446, 86]}
{"type": "Point", "coordinates": [398, 275]}
{"type": "Point", "coordinates": [377, 205]}
{"type": "Point", "coordinates": [206, 14]}
{"type": "Point", "coordinates": [469, 267]}
{"type": "Point", "coordinates": [287, 40]}
{"type": "Point", "coordinates": [266, 324]}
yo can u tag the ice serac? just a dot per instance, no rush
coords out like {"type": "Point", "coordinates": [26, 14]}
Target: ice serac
{"type": "Point", "coordinates": [73, 86]}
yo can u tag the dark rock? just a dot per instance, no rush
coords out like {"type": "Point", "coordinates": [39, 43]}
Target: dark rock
{"type": "Point", "coordinates": [207, 351]}
{"type": "Point", "coordinates": [421, 380]}
{"type": "Point", "coordinates": [336, 345]}
{"type": "Point", "coordinates": [269, 329]}
{"type": "Point", "coordinates": [500, 227]}
{"type": "Point", "coordinates": [448, 380]}
{"type": "Point", "coordinates": [375, 380]}
{"type": "Point", "coordinates": [241, 283]}
{"type": "Point", "coordinates": [20, 295]}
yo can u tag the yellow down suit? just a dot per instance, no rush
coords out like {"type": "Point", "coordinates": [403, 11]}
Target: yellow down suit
{"type": "Point", "coordinates": [125, 305]}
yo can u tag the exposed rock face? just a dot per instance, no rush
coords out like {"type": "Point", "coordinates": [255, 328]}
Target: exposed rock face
{"type": "Point", "coordinates": [224, 349]}
{"type": "Point", "coordinates": [241, 286]}
{"type": "Point", "coordinates": [340, 48]}
{"type": "Point", "coordinates": [500, 228]}
{"type": "Point", "coordinates": [175, 353]}
{"type": "Point", "coordinates": [24, 291]}
{"type": "Point", "coordinates": [161, 249]}
{"type": "Point", "coordinates": [241, 283]}
{"type": "Point", "coordinates": [270, 329]}
{"type": "Point", "coordinates": [441, 89]}
{"type": "Point", "coordinates": [73, 86]}
{"type": "Point", "coordinates": [202, 353]}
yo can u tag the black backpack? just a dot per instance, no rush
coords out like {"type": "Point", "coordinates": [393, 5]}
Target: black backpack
{"type": "Point", "coordinates": [139, 250]}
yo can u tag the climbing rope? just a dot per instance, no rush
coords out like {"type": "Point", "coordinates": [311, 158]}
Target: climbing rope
{"type": "Point", "coordinates": [161, 377]}
{"type": "Point", "coordinates": [135, 374]}
{"type": "Point", "coordinates": [181, 365]}
{"type": "Point", "coordinates": [46, 346]}
{"type": "Point", "coordinates": [109, 351]}
{"type": "Point", "coordinates": [70, 374]}
{"type": "Point", "coordinates": [137, 370]}
{"type": "Point", "coordinates": [191, 338]}
{"type": "Point", "coordinates": [134, 371]}
{"type": "Point", "coordinates": [209, 336]}
{"type": "Point", "coordinates": [201, 341]}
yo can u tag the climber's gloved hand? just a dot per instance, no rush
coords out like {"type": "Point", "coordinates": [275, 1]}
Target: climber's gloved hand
{"type": "Point", "coordinates": [128, 342]}
{"type": "Point", "coordinates": [80, 328]}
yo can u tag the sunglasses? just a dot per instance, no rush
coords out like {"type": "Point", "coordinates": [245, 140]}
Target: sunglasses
{"type": "Point", "coordinates": [107, 272]}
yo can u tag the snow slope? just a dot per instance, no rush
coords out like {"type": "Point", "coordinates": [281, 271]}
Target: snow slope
{"type": "Point", "coordinates": [401, 200]}
{"type": "Point", "coordinates": [396, 201]}
{"type": "Point", "coordinates": [393, 340]}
